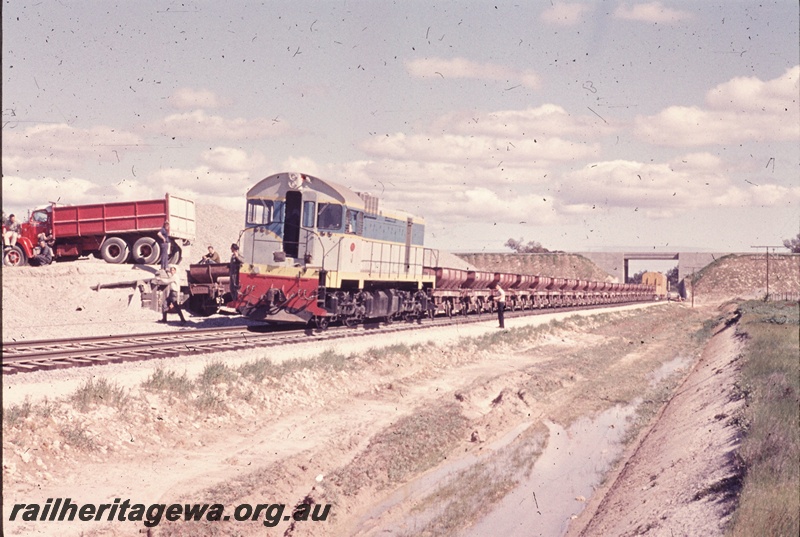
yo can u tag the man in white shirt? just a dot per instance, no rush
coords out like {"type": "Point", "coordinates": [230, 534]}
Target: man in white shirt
{"type": "Point", "coordinates": [173, 291]}
{"type": "Point", "coordinates": [500, 295]}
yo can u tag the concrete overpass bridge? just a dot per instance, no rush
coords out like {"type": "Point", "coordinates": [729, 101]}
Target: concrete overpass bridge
{"type": "Point", "coordinates": [616, 263]}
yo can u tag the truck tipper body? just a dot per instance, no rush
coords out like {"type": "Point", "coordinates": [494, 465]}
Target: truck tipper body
{"type": "Point", "coordinates": [117, 232]}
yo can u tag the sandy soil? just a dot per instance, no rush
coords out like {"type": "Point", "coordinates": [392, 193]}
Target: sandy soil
{"type": "Point", "coordinates": [457, 415]}
{"type": "Point", "coordinates": [433, 432]}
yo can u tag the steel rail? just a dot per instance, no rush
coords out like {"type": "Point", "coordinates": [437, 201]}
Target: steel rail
{"type": "Point", "coordinates": [20, 357]}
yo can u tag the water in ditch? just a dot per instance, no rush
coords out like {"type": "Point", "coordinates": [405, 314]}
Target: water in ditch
{"type": "Point", "coordinates": [562, 480]}
{"type": "Point", "coordinates": [543, 502]}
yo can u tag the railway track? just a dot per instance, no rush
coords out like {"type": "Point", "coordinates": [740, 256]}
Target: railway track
{"type": "Point", "coordinates": [42, 355]}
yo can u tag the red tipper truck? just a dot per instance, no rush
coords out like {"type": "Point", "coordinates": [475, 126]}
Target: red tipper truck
{"type": "Point", "coordinates": [116, 232]}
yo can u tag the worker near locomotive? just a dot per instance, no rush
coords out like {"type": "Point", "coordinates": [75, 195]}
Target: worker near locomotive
{"type": "Point", "coordinates": [314, 251]}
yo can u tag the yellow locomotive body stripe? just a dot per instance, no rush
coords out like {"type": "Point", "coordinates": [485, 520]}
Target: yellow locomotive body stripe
{"type": "Point", "coordinates": [334, 278]}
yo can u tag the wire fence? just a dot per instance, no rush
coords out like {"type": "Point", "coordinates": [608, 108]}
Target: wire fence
{"type": "Point", "coordinates": [784, 296]}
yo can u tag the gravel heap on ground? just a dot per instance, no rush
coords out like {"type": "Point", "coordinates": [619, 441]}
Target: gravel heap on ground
{"type": "Point", "coordinates": [745, 276]}
{"type": "Point", "coordinates": [57, 300]}
{"type": "Point", "coordinates": [216, 227]}
{"type": "Point", "coordinates": [561, 265]}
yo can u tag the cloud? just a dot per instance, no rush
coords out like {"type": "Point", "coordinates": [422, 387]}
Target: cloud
{"type": "Point", "coordinates": [229, 159]}
{"type": "Point", "coordinates": [739, 110]}
{"type": "Point", "coordinates": [653, 12]}
{"type": "Point", "coordinates": [61, 147]}
{"type": "Point", "coordinates": [750, 94]}
{"type": "Point", "coordinates": [540, 122]}
{"type": "Point", "coordinates": [21, 193]}
{"type": "Point", "coordinates": [202, 180]}
{"type": "Point", "coordinates": [447, 192]}
{"type": "Point", "coordinates": [198, 125]}
{"type": "Point", "coordinates": [193, 99]}
{"type": "Point", "coordinates": [480, 151]}
{"type": "Point", "coordinates": [564, 13]}
{"type": "Point", "coordinates": [462, 68]}
{"type": "Point", "coordinates": [692, 181]}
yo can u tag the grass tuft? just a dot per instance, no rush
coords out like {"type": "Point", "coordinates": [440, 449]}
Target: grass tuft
{"type": "Point", "coordinates": [98, 392]}
{"type": "Point", "coordinates": [216, 373]}
{"type": "Point", "coordinates": [78, 437]}
{"type": "Point", "coordinates": [770, 449]}
{"type": "Point", "coordinates": [16, 414]}
{"type": "Point", "coordinates": [167, 381]}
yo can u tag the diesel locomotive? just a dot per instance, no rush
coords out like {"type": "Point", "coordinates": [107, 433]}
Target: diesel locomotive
{"type": "Point", "coordinates": [317, 252]}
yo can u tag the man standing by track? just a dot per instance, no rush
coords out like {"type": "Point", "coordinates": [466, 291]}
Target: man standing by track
{"type": "Point", "coordinates": [236, 263]}
{"type": "Point", "coordinates": [500, 296]}
{"type": "Point", "coordinates": [173, 291]}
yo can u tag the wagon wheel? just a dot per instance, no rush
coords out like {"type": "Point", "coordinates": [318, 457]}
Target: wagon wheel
{"type": "Point", "coordinates": [448, 308]}
{"type": "Point", "coordinates": [350, 322]}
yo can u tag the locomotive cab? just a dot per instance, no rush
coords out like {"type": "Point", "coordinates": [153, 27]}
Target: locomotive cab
{"type": "Point", "coordinates": [294, 220]}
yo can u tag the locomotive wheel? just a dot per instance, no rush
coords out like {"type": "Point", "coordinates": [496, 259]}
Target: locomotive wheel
{"type": "Point", "coordinates": [350, 322]}
{"type": "Point", "coordinates": [321, 322]}
{"type": "Point", "coordinates": [146, 251]}
{"type": "Point", "coordinates": [114, 251]}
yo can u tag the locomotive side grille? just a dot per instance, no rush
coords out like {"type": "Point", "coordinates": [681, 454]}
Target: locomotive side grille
{"type": "Point", "coordinates": [370, 203]}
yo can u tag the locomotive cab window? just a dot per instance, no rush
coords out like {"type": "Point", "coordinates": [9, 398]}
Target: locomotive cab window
{"type": "Point", "coordinates": [308, 213]}
{"type": "Point", "coordinates": [354, 222]}
{"type": "Point", "coordinates": [260, 212]}
{"type": "Point", "coordinates": [329, 216]}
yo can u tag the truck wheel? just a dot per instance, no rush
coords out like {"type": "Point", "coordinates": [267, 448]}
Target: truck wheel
{"type": "Point", "coordinates": [114, 251]}
{"type": "Point", "coordinates": [146, 251]}
{"type": "Point", "coordinates": [14, 257]}
{"type": "Point", "coordinates": [175, 255]}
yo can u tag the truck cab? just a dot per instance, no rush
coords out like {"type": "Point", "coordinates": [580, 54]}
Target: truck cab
{"type": "Point", "coordinates": [38, 223]}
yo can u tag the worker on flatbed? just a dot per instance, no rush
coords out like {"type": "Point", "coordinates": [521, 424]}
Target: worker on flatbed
{"type": "Point", "coordinates": [211, 257]}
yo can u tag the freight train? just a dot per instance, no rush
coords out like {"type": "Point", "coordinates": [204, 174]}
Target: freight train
{"type": "Point", "coordinates": [317, 252]}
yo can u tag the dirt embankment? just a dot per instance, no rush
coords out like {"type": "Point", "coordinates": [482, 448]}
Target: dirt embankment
{"type": "Point", "coordinates": [350, 430]}
{"type": "Point", "coordinates": [745, 276]}
{"type": "Point", "coordinates": [681, 477]}
{"type": "Point", "coordinates": [561, 265]}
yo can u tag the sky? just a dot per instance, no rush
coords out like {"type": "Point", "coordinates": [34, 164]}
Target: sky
{"type": "Point", "coordinates": [582, 125]}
